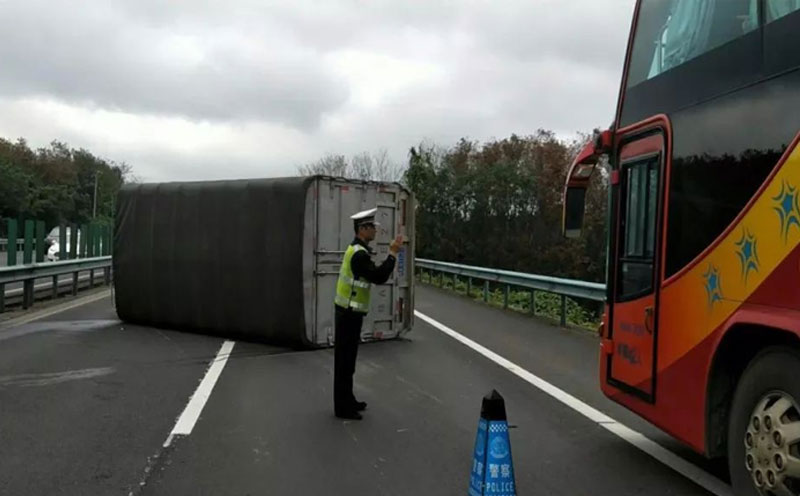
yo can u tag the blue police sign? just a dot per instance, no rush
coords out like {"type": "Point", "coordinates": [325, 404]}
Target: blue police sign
{"type": "Point", "coordinates": [479, 460]}
{"type": "Point", "coordinates": [492, 468]}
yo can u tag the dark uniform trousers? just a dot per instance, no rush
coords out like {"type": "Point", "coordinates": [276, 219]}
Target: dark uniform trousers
{"type": "Point", "coordinates": [348, 333]}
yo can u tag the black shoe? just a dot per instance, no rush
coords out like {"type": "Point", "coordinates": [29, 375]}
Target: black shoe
{"type": "Point", "coordinates": [349, 415]}
{"type": "Point", "coordinates": [360, 406]}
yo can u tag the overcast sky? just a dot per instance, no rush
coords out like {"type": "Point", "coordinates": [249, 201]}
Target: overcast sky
{"type": "Point", "coordinates": [188, 90]}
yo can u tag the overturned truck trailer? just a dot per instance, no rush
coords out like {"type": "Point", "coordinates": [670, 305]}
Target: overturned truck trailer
{"type": "Point", "coordinates": [256, 259]}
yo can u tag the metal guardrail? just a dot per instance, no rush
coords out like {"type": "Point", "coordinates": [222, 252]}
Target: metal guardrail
{"type": "Point", "coordinates": [27, 274]}
{"type": "Point", "coordinates": [563, 287]}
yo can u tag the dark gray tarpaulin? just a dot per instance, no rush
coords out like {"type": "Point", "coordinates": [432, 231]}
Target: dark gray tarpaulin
{"type": "Point", "coordinates": [222, 257]}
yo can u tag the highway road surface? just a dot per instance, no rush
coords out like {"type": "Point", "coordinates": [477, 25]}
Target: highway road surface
{"type": "Point", "coordinates": [93, 406]}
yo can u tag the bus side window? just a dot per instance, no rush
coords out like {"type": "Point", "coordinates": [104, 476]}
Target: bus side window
{"type": "Point", "coordinates": [691, 28]}
{"type": "Point", "coordinates": [775, 9]}
{"type": "Point", "coordinates": [639, 247]}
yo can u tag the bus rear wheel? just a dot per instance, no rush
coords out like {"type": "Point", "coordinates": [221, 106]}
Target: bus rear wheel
{"type": "Point", "coordinates": [764, 428]}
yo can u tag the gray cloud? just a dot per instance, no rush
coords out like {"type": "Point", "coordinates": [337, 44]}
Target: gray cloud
{"type": "Point", "coordinates": [195, 71]}
{"type": "Point", "coordinates": [251, 88]}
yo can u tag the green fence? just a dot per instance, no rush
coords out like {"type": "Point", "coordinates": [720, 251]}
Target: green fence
{"type": "Point", "coordinates": [29, 241]}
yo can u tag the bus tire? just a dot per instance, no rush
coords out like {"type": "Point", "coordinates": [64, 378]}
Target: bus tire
{"type": "Point", "coordinates": [763, 444]}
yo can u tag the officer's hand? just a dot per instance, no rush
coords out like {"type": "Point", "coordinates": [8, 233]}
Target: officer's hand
{"type": "Point", "coordinates": [396, 245]}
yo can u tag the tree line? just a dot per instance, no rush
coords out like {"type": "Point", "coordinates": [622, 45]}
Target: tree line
{"type": "Point", "coordinates": [495, 204]}
{"type": "Point", "coordinates": [57, 184]}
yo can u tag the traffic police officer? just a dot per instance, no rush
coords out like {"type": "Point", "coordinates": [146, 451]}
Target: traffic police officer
{"type": "Point", "coordinates": [356, 275]}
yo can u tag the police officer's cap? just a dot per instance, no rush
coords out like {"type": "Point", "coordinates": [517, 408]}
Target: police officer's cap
{"type": "Point", "coordinates": [365, 217]}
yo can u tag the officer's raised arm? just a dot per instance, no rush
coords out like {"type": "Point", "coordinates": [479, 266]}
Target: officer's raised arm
{"type": "Point", "coordinates": [365, 268]}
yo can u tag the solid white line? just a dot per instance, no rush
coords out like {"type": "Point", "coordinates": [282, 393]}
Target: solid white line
{"type": "Point", "coordinates": [25, 319]}
{"type": "Point", "coordinates": [185, 423]}
{"type": "Point", "coordinates": [689, 470]}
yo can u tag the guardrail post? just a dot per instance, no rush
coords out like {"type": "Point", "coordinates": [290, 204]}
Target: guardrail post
{"type": "Point", "coordinates": [40, 241]}
{"type": "Point", "coordinates": [455, 283]}
{"type": "Point", "coordinates": [74, 284]}
{"type": "Point", "coordinates": [563, 310]}
{"type": "Point", "coordinates": [12, 243]}
{"type": "Point", "coordinates": [27, 253]}
{"type": "Point", "coordinates": [27, 294]}
{"type": "Point", "coordinates": [486, 291]}
{"type": "Point", "coordinates": [469, 287]}
{"type": "Point", "coordinates": [107, 275]}
{"type": "Point", "coordinates": [533, 302]}
{"type": "Point", "coordinates": [91, 278]}
{"type": "Point", "coordinates": [506, 291]}
{"type": "Point", "coordinates": [2, 298]}
{"type": "Point", "coordinates": [54, 295]}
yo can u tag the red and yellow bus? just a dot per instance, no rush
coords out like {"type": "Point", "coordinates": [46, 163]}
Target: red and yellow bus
{"type": "Point", "coordinates": [701, 333]}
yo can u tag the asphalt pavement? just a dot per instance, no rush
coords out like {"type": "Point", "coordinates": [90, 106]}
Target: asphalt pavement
{"type": "Point", "coordinates": [87, 403]}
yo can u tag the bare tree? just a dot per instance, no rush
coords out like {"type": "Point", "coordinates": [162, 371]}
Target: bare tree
{"type": "Point", "coordinates": [385, 168]}
{"type": "Point", "coordinates": [329, 165]}
{"type": "Point", "coordinates": [126, 173]}
{"type": "Point", "coordinates": [363, 166]}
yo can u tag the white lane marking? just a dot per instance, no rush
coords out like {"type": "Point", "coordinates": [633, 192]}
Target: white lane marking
{"type": "Point", "coordinates": [54, 310]}
{"type": "Point", "coordinates": [185, 423]}
{"type": "Point", "coordinates": [676, 463]}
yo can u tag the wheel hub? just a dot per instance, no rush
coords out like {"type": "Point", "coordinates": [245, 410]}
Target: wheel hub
{"type": "Point", "coordinates": [770, 445]}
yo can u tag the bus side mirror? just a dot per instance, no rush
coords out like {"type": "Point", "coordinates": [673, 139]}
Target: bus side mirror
{"type": "Point", "coordinates": [574, 206]}
{"type": "Point", "coordinates": [580, 172]}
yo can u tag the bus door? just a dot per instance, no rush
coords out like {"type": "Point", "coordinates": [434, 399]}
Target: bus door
{"type": "Point", "coordinates": [637, 262]}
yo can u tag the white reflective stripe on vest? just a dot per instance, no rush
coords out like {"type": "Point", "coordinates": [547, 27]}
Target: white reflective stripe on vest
{"type": "Point", "coordinates": [344, 302]}
{"type": "Point", "coordinates": [359, 306]}
{"type": "Point", "coordinates": [355, 282]}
